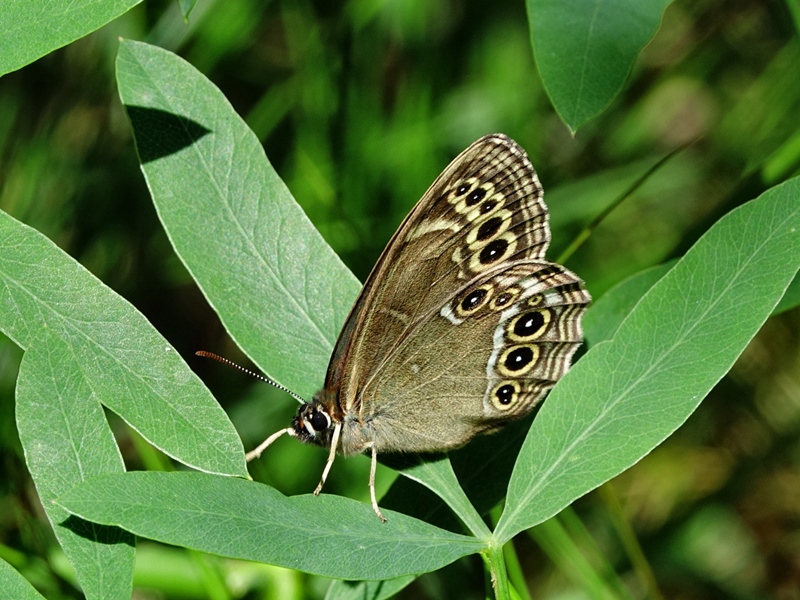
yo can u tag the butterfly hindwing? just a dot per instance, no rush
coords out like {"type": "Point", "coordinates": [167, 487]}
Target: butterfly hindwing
{"type": "Point", "coordinates": [486, 357]}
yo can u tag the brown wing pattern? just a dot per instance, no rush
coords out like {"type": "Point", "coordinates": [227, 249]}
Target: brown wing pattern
{"type": "Point", "coordinates": [473, 365]}
{"type": "Point", "coordinates": [448, 312]}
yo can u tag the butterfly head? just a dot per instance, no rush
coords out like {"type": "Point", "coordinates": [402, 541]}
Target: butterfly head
{"type": "Point", "coordinates": [312, 424]}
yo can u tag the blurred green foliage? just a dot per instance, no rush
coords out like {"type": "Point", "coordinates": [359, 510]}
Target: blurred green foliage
{"type": "Point", "coordinates": [360, 105]}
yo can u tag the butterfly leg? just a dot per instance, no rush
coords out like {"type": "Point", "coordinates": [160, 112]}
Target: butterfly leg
{"type": "Point", "coordinates": [263, 446]}
{"type": "Point", "coordinates": [373, 467]}
{"type": "Point", "coordinates": [331, 456]}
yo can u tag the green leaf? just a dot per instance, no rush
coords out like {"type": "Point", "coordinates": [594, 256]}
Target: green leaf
{"type": "Point", "coordinates": [127, 364]}
{"type": "Point", "coordinates": [326, 535]}
{"type": "Point", "coordinates": [628, 394]}
{"type": "Point", "coordinates": [280, 290]}
{"type": "Point", "coordinates": [32, 29]}
{"type": "Point", "coordinates": [585, 49]}
{"type": "Point", "coordinates": [15, 585]}
{"type": "Point", "coordinates": [66, 440]}
{"type": "Point", "coordinates": [606, 314]}
{"type": "Point", "coordinates": [367, 590]}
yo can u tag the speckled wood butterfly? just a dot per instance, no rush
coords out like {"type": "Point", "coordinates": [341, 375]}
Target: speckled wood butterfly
{"type": "Point", "coordinates": [461, 327]}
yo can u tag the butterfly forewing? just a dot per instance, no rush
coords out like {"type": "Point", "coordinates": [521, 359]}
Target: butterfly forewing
{"type": "Point", "coordinates": [484, 210]}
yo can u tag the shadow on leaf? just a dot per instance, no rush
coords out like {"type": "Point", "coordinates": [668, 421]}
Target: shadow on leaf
{"type": "Point", "coordinates": [160, 133]}
{"type": "Point", "coordinates": [101, 534]}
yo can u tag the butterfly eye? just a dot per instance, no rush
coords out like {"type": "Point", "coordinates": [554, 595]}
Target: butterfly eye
{"type": "Point", "coordinates": [473, 300]}
{"type": "Point", "coordinates": [488, 206]}
{"type": "Point", "coordinates": [535, 300]}
{"type": "Point", "coordinates": [494, 251]}
{"type": "Point", "coordinates": [466, 197]}
{"type": "Point", "coordinates": [319, 421]}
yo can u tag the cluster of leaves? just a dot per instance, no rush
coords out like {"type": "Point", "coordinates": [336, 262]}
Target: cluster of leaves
{"type": "Point", "coordinates": [659, 342]}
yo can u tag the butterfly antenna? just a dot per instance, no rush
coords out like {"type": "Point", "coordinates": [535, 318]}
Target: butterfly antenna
{"type": "Point", "coordinates": [230, 363]}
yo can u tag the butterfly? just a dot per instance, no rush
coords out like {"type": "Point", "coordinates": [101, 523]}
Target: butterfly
{"type": "Point", "coordinates": [461, 327]}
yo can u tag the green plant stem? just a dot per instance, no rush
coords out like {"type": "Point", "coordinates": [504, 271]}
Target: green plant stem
{"type": "Point", "coordinates": [629, 541]}
{"type": "Point", "coordinates": [518, 585]}
{"type": "Point", "coordinates": [589, 229]}
{"type": "Point", "coordinates": [497, 569]}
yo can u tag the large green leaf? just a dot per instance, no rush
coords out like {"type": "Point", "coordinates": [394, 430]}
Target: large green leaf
{"type": "Point", "coordinates": [585, 49]}
{"type": "Point", "coordinates": [66, 440]}
{"type": "Point", "coordinates": [439, 477]}
{"type": "Point", "coordinates": [627, 395]}
{"type": "Point", "coordinates": [606, 314]}
{"type": "Point", "coordinates": [327, 535]}
{"type": "Point", "coordinates": [127, 364]}
{"type": "Point", "coordinates": [31, 29]}
{"type": "Point", "coordinates": [86, 347]}
{"type": "Point", "coordinates": [280, 290]}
